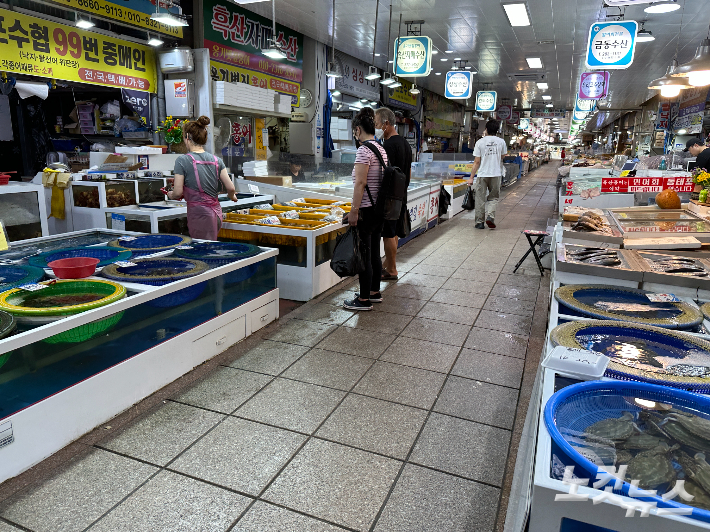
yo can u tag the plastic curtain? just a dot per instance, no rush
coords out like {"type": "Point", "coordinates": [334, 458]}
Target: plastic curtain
{"type": "Point", "coordinates": [328, 140]}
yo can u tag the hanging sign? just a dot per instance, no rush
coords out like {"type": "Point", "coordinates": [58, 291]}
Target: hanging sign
{"type": "Point", "coordinates": [514, 118]}
{"type": "Point", "coordinates": [412, 56]}
{"type": "Point", "coordinates": [129, 12]}
{"type": "Point", "coordinates": [524, 124]}
{"type": "Point", "coordinates": [138, 102]}
{"type": "Point", "coordinates": [593, 85]}
{"type": "Point", "coordinates": [503, 112]}
{"type": "Point", "coordinates": [611, 44]}
{"type": "Point", "coordinates": [547, 113]}
{"type": "Point", "coordinates": [458, 84]}
{"type": "Point", "coordinates": [353, 82]}
{"type": "Point", "coordinates": [235, 38]}
{"type": "Point", "coordinates": [579, 115]}
{"type": "Point", "coordinates": [584, 106]}
{"type": "Point", "coordinates": [37, 47]}
{"type": "Point", "coordinates": [486, 101]}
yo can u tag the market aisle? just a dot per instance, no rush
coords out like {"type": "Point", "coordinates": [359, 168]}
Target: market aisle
{"type": "Point", "coordinates": [402, 419]}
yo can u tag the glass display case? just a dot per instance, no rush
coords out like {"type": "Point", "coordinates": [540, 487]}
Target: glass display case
{"type": "Point", "coordinates": [23, 211]}
{"type": "Point", "coordinates": [149, 189]}
{"type": "Point", "coordinates": [103, 194]}
{"type": "Point", "coordinates": [636, 222]}
{"type": "Point", "coordinates": [84, 369]}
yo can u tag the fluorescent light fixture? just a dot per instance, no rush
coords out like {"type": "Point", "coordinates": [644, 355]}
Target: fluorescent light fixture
{"type": "Point", "coordinates": [373, 102]}
{"type": "Point", "coordinates": [449, 51]}
{"type": "Point", "coordinates": [274, 52]}
{"type": "Point", "coordinates": [85, 24]}
{"type": "Point", "coordinates": [373, 74]}
{"type": "Point", "coordinates": [457, 59]}
{"type": "Point", "coordinates": [662, 7]}
{"type": "Point", "coordinates": [335, 93]}
{"type": "Point", "coordinates": [517, 14]}
{"type": "Point", "coordinates": [546, 97]}
{"type": "Point", "coordinates": [434, 52]}
{"type": "Point", "coordinates": [643, 35]}
{"type": "Point", "coordinates": [444, 59]}
{"type": "Point", "coordinates": [542, 86]}
{"type": "Point", "coordinates": [332, 72]}
{"type": "Point", "coordinates": [390, 61]}
{"type": "Point", "coordinates": [548, 105]}
{"type": "Point", "coordinates": [378, 55]}
{"type": "Point", "coordinates": [169, 19]}
{"type": "Point", "coordinates": [437, 73]}
{"type": "Point", "coordinates": [363, 100]}
{"type": "Point", "coordinates": [154, 41]}
{"type": "Point", "coordinates": [534, 62]}
{"type": "Point", "coordinates": [396, 83]}
{"type": "Point", "coordinates": [388, 80]}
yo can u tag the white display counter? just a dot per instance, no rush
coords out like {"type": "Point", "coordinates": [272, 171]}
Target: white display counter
{"type": "Point", "coordinates": [23, 211]}
{"type": "Point", "coordinates": [55, 391]}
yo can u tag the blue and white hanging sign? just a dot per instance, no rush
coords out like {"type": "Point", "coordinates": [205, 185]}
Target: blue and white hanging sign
{"type": "Point", "coordinates": [458, 84]}
{"type": "Point", "coordinates": [524, 124]}
{"type": "Point", "coordinates": [611, 44]}
{"type": "Point", "coordinates": [486, 101]}
{"type": "Point", "coordinates": [412, 56]}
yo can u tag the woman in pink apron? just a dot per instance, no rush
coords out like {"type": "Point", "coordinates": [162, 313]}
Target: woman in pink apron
{"type": "Point", "coordinates": [197, 178]}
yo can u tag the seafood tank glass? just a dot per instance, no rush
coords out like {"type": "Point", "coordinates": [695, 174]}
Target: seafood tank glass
{"type": "Point", "coordinates": [20, 215]}
{"type": "Point", "coordinates": [149, 190]}
{"type": "Point", "coordinates": [42, 368]}
{"type": "Point", "coordinates": [118, 194]}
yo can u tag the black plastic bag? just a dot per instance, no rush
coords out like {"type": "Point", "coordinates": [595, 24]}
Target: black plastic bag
{"type": "Point", "coordinates": [404, 224]}
{"type": "Point", "coordinates": [469, 199]}
{"type": "Point", "coordinates": [444, 201]}
{"type": "Point", "coordinates": [347, 257]}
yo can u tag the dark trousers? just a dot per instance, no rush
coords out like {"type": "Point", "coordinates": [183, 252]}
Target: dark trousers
{"type": "Point", "coordinates": [370, 230]}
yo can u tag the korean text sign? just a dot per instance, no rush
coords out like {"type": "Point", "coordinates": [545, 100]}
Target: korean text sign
{"type": "Point", "coordinates": [235, 38]}
{"type": "Point", "coordinates": [30, 45]}
{"type": "Point", "coordinates": [412, 56]}
{"type": "Point", "coordinates": [132, 12]}
{"type": "Point", "coordinates": [593, 85]}
{"type": "Point", "coordinates": [458, 84]}
{"type": "Point", "coordinates": [611, 44]}
{"type": "Point", "coordinates": [401, 97]}
{"type": "Point", "coordinates": [486, 101]}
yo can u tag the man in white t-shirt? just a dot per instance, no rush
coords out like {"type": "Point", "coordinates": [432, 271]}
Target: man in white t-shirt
{"type": "Point", "coordinates": [488, 165]}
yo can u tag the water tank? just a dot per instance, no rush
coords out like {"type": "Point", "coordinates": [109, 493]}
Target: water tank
{"type": "Point", "coordinates": [176, 60]}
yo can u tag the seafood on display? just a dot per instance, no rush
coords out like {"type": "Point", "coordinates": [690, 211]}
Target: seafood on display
{"type": "Point", "coordinates": [597, 256]}
{"type": "Point", "coordinates": [591, 221]}
{"type": "Point", "coordinates": [678, 265]}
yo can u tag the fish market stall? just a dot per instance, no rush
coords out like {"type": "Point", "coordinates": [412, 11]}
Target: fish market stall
{"type": "Point", "coordinates": [85, 350]}
{"type": "Point", "coordinates": [23, 211]}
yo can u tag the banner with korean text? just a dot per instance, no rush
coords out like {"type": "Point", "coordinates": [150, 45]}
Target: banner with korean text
{"type": "Point", "coordinates": [235, 38]}
{"type": "Point", "coordinates": [37, 47]}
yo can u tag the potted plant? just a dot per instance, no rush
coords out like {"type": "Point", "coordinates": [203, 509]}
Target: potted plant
{"type": "Point", "coordinates": [701, 178]}
{"type": "Point", "coordinates": [172, 131]}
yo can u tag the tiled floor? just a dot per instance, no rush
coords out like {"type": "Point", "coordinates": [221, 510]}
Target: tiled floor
{"type": "Point", "coordinates": [397, 420]}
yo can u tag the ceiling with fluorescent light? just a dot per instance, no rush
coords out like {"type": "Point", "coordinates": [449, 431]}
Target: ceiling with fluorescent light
{"type": "Point", "coordinates": [479, 31]}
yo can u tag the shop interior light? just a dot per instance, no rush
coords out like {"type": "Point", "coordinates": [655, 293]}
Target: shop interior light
{"type": "Point", "coordinates": [335, 93]}
{"type": "Point", "coordinates": [669, 85]}
{"type": "Point", "coordinates": [378, 55]}
{"type": "Point", "coordinates": [84, 23]}
{"type": "Point", "coordinates": [643, 35]}
{"type": "Point", "coordinates": [549, 105]}
{"type": "Point", "coordinates": [437, 73]}
{"type": "Point", "coordinates": [546, 97]}
{"type": "Point", "coordinates": [699, 78]}
{"type": "Point", "coordinates": [682, 131]}
{"type": "Point", "coordinates": [449, 51]}
{"type": "Point", "coordinates": [534, 62]}
{"type": "Point", "coordinates": [167, 18]}
{"type": "Point", "coordinates": [434, 52]}
{"type": "Point", "coordinates": [699, 63]}
{"type": "Point", "coordinates": [154, 41]}
{"type": "Point", "coordinates": [396, 83]}
{"type": "Point", "coordinates": [670, 91]}
{"type": "Point", "coordinates": [363, 100]}
{"type": "Point", "coordinates": [414, 89]}
{"type": "Point", "coordinates": [274, 52]}
{"type": "Point", "coordinates": [332, 72]}
{"type": "Point", "coordinates": [662, 7]}
{"type": "Point", "coordinates": [517, 13]}
{"type": "Point", "coordinates": [444, 59]}
{"type": "Point", "coordinates": [388, 80]}
{"type": "Point", "coordinates": [457, 59]}
{"type": "Point", "coordinates": [542, 86]}
{"type": "Point", "coordinates": [373, 73]}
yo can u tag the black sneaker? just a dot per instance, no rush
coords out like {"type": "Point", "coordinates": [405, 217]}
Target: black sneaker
{"type": "Point", "coordinates": [374, 298]}
{"type": "Point", "coordinates": [490, 223]}
{"type": "Point", "coordinates": [480, 226]}
{"type": "Point", "coordinates": [356, 304]}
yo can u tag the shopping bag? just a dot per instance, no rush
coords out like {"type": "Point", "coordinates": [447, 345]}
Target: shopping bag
{"type": "Point", "coordinates": [347, 257]}
{"type": "Point", "coordinates": [469, 199]}
{"type": "Point", "coordinates": [404, 224]}
{"type": "Point", "coordinates": [444, 201]}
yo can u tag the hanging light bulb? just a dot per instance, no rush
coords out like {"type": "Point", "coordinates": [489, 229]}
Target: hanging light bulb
{"type": "Point", "coordinates": [699, 78]}
{"type": "Point", "coordinates": [669, 85]}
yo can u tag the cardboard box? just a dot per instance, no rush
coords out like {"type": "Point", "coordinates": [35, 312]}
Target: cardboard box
{"type": "Point", "coordinates": [279, 180]}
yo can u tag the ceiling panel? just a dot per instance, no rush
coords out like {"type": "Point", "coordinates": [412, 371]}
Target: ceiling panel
{"type": "Point", "coordinates": [478, 30]}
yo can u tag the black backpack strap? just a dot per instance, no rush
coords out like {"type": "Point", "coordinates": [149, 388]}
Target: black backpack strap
{"type": "Point", "coordinates": [382, 166]}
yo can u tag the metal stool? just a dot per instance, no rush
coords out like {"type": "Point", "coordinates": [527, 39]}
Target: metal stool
{"type": "Point", "coordinates": [540, 236]}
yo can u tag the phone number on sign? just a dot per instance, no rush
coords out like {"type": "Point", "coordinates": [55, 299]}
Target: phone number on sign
{"type": "Point", "coordinates": [131, 16]}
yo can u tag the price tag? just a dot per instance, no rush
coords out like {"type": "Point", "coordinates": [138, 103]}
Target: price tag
{"type": "Point", "coordinates": [124, 263]}
{"type": "Point", "coordinates": [183, 247]}
{"type": "Point", "coordinates": [663, 298]}
{"type": "Point", "coordinates": [33, 287]}
{"type": "Point", "coordinates": [253, 189]}
{"type": "Point", "coordinates": [118, 222]}
{"type": "Point", "coordinates": [576, 361]}
{"type": "Point", "coordinates": [127, 238]}
{"type": "Point", "coordinates": [242, 211]}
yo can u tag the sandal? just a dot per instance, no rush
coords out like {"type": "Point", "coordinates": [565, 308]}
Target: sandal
{"type": "Point", "coordinates": [385, 276]}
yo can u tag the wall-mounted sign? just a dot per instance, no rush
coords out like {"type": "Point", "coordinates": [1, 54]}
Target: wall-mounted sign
{"type": "Point", "coordinates": [611, 44]}
{"type": "Point", "coordinates": [503, 112]}
{"type": "Point", "coordinates": [130, 12]}
{"type": "Point", "coordinates": [37, 47]}
{"type": "Point", "coordinates": [412, 56]}
{"type": "Point", "coordinates": [235, 38]}
{"type": "Point", "coordinates": [353, 82]}
{"type": "Point", "coordinates": [514, 118]}
{"type": "Point", "coordinates": [458, 84]}
{"type": "Point", "coordinates": [401, 97]}
{"type": "Point", "coordinates": [593, 85]}
{"type": "Point", "coordinates": [486, 101]}
{"type": "Point", "coordinates": [690, 110]}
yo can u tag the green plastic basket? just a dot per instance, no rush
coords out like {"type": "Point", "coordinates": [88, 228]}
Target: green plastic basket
{"type": "Point", "coordinates": [86, 332]}
{"type": "Point", "coordinates": [61, 298]}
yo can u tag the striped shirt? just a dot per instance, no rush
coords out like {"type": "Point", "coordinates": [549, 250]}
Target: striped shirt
{"type": "Point", "coordinates": [374, 172]}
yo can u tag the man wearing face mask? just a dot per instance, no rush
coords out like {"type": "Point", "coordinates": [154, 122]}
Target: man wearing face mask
{"type": "Point", "coordinates": [399, 154]}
